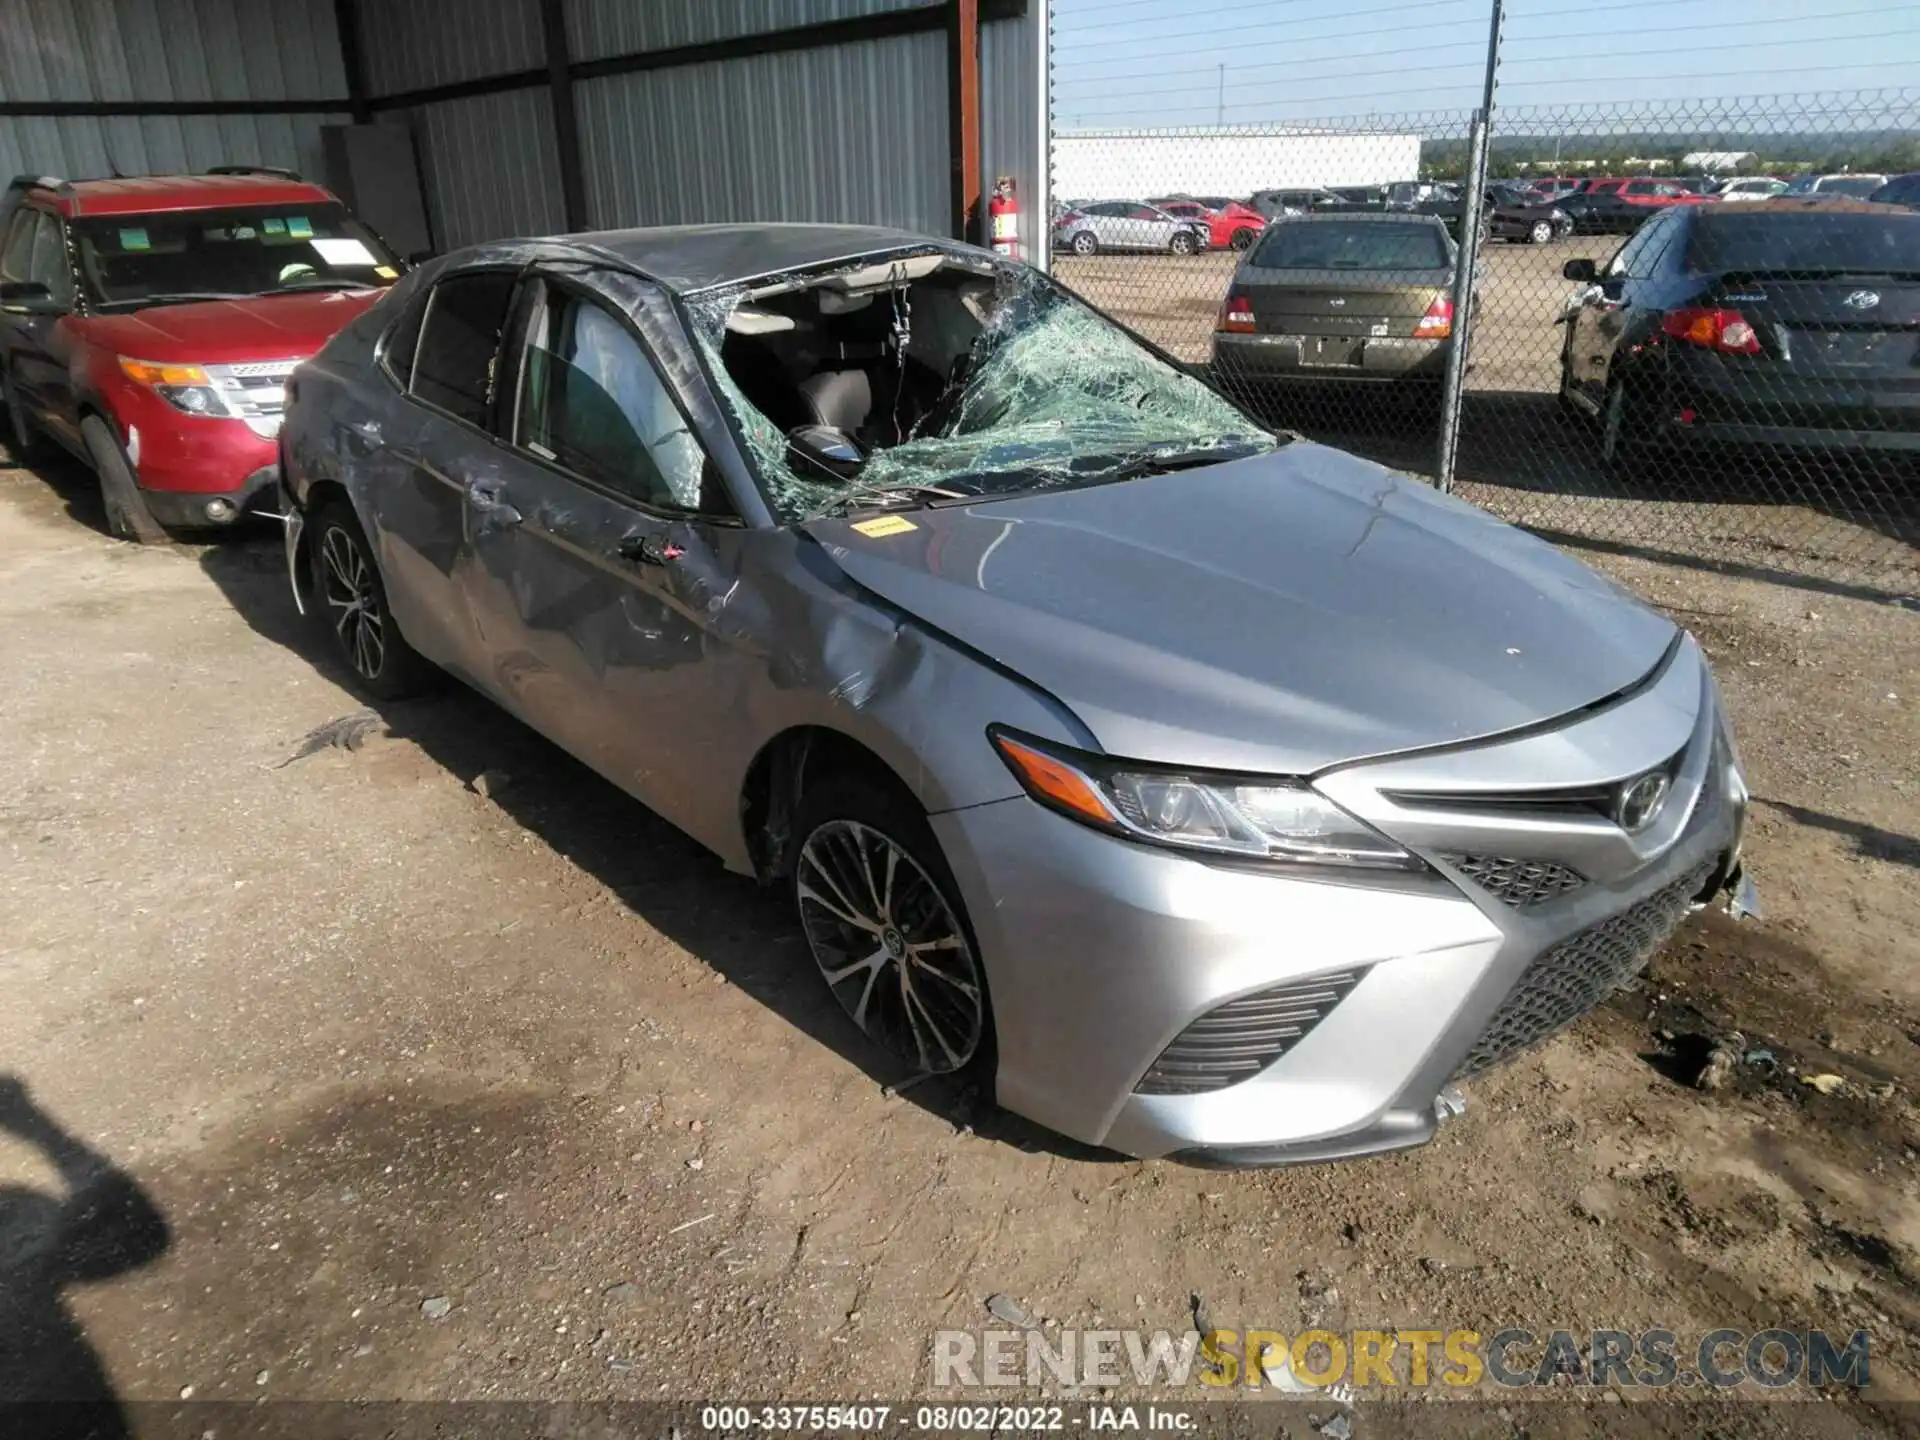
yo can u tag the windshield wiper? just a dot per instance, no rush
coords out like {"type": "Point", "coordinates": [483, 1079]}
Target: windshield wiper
{"type": "Point", "coordinates": [886, 497]}
{"type": "Point", "coordinates": [319, 284]}
{"type": "Point", "coordinates": [1160, 462]}
{"type": "Point", "coordinates": [178, 297]}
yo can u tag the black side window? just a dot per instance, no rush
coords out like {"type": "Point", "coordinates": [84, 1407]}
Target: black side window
{"type": "Point", "coordinates": [459, 341]}
{"type": "Point", "coordinates": [397, 353]}
{"type": "Point", "coordinates": [18, 253]}
{"type": "Point", "coordinates": [49, 263]}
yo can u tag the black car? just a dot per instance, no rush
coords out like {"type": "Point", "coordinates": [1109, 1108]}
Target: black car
{"type": "Point", "coordinates": [1789, 322]}
{"type": "Point", "coordinates": [1507, 215]}
{"type": "Point", "coordinates": [1900, 190]}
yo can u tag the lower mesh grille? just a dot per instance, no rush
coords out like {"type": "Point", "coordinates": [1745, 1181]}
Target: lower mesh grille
{"type": "Point", "coordinates": [1518, 883]}
{"type": "Point", "coordinates": [1241, 1038]}
{"type": "Point", "coordinates": [1565, 982]}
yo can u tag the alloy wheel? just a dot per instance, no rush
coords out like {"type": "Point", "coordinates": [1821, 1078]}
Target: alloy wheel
{"type": "Point", "coordinates": [353, 602]}
{"type": "Point", "coordinates": [1542, 232]}
{"type": "Point", "coordinates": [1084, 243]}
{"type": "Point", "coordinates": [889, 946]}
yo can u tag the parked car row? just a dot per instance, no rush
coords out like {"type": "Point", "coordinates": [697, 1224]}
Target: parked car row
{"type": "Point", "coordinates": [1785, 322]}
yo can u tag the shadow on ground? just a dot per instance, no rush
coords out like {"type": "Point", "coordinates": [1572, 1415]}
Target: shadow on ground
{"type": "Point", "coordinates": [52, 1384]}
{"type": "Point", "coordinates": [743, 931]}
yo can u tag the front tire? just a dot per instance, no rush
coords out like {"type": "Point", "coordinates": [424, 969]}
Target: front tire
{"type": "Point", "coordinates": [881, 913]}
{"type": "Point", "coordinates": [1242, 240]}
{"type": "Point", "coordinates": [23, 439]}
{"type": "Point", "coordinates": [1182, 243]}
{"type": "Point", "coordinates": [1541, 233]}
{"type": "Point", "coordinates": [350, 599]}
{"type": "Point", "coordinates": [1622, 429]}
{"type": "Point", "coordinates": [128, 517]}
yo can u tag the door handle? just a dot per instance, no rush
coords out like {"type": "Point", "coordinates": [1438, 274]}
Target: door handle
{"type": "Point", "coordinates": [647, 548]}
{"type": "Point", "coordinates": [490, 501]}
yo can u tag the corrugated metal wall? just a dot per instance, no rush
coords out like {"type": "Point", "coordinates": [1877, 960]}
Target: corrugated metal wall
{"type": "Point", "coordinates": [850, 133]}
{"type": "Point", "coordinates": [598, 28]}
{"type": "Point", "coordinates": [158, 144]}
{"type": "Point", "coordinates": [854, 132]}
{"type": "Point", "coordinates": [169, 50]}
{"type": "Point", "coordinates": [414, 44]}
{"type": "Point", "coordinates": [490, 167]}
{"type": "Point", "coordinates": [1013, 120]}
{"type": "Point", "coordinates": [165, 51]}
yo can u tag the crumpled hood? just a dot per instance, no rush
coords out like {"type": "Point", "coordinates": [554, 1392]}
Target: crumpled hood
{"type": "Point", "coordinates": [1275, 615]}
{"type": "Point", "coordinates": [278, 327]}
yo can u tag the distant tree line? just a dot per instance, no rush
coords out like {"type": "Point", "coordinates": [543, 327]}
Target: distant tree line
{"type": "Point", "coordinates": [1888, 153]}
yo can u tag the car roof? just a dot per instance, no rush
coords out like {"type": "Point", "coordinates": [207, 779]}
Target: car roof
{"type": "Point", "coordinates": [148, 194]}
{"type": "Point", "coordinates": [687, 258]}
{"type": "Point", "coordinates": [1366, 217]}
{"type": "Point", "coordinates": [1801, 205]}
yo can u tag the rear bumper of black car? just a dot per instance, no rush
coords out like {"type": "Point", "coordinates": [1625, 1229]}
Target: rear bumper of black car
{"type": "Point", "coordinates": [1711, 400]}
{"type": "Point", "coordinates": [1378, 360]}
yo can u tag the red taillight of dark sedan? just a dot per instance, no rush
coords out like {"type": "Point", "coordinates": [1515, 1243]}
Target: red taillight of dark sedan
{"type": "Point", "coordinates": [1725, 330]}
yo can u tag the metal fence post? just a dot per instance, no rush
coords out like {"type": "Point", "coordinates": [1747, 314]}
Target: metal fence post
{"type": "Point", "coordinates": [1467, 264]}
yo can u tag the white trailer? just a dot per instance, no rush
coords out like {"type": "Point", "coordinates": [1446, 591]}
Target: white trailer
{"type": "Point", "coordinates": [1236, 161]}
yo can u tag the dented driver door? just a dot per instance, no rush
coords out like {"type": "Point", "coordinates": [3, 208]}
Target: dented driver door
{"type": "Point", "coordinates": [583, 544]}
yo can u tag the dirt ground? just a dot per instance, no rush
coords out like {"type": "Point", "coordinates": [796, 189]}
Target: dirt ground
{"type": "Point", "coordinates": [379, 1049]}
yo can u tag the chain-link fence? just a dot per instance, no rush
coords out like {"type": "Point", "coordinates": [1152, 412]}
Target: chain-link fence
{"type": "Point", "coordinates": [1686, 330]}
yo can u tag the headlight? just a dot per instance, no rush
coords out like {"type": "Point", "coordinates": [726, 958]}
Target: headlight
{"type": "Point", "coordinates": [1262, 818]}
{"type": "Point", "coordinates": [185, 387]}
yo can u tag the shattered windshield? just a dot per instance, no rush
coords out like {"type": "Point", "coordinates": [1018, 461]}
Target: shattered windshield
{"type": "Point", "coordinates": [926, 379]}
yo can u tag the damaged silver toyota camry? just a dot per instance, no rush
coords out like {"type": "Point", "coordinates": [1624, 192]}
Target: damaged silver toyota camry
{"type": "Point", "coordinates": [1206, 791]}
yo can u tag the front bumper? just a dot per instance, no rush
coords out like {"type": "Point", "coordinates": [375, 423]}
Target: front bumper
{"type": "Point", "coordinates": [257, 495]}
{"type": "Point", "coordinates": [1384, 360]}
{"type": "Point", "coordinates": [1100, 953]}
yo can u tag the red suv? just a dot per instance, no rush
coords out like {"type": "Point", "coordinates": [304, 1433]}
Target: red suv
{"type": "Point", "coordinates": [149, 326]}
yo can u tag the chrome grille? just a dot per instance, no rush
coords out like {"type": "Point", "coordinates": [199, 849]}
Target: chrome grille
{"type": "Point", "coordinates": [255, 390]}
{"type": "Point", "coordinates": [1566, 981]}
{"type": "Point", "coordinates": [1241, 1038]}
{"type": "Point", "coordinates": [1516, 882]}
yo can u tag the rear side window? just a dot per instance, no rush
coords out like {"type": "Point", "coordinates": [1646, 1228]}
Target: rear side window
{"type": "Point", "coordinates": [459, 341]}
{"type": "Point", "coordinates": [1809, 242]}
{"type": "Point", "coordinates": [396, 353]}
{"type": "Point", "coordinates": [1368, 246]}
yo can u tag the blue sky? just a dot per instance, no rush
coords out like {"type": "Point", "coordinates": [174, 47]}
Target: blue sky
{"type": "Point", "coordinates": [1159, 62]}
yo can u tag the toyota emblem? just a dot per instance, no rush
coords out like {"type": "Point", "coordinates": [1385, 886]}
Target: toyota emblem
{"type": "Point", "coordinates": [1864, 299]}
{"type": "Point", "coordinates": [1640, 801]}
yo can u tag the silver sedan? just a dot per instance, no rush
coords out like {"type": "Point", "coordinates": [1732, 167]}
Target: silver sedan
{"type": "Point", "coordinates": [1199, 790]}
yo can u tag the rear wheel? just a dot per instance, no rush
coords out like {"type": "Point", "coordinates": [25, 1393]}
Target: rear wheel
{"type": "Point", "coordinates": [128, 517]}
{"type": "Point", "coordinates": [1084, 243]}
{"type": "Point", "coordinates": [883, 920]}
{"type": "Point", "coordinates": [1182, 243]}
{"type": "Point", "coordinates": [1541, 232]}
{"type": "Point", "coordinates": [350, 599]}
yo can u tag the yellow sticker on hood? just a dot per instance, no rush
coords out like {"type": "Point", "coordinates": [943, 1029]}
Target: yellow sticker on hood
{"type": "Point", "coordinates": [882, 525]}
